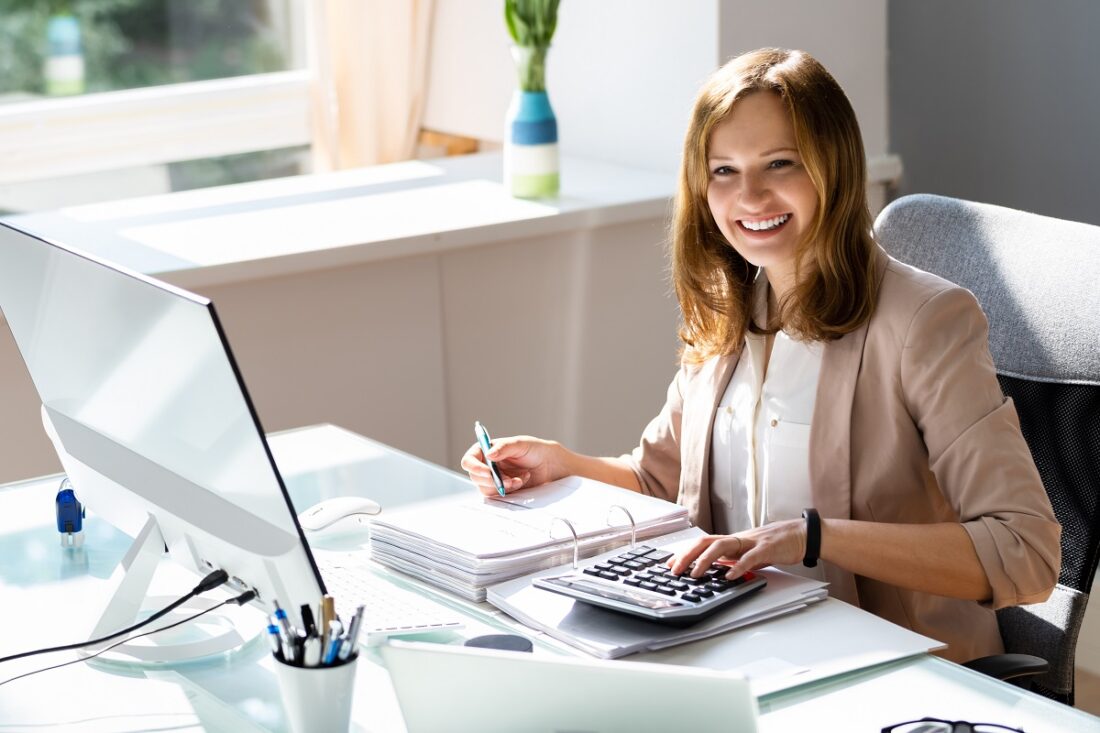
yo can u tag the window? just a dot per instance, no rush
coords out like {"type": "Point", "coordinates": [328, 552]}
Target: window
{"type": "Point", "coordinates": [108, 98]}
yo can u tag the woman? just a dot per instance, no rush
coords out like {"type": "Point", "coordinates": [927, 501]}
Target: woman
{"type": "Point", "coordinates": [818, 372]}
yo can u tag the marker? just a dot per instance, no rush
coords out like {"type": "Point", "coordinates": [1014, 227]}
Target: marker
{"type": "Point", "coordinates": [312, 654]}
{"type": "Point", "coordinates": [487, 445]}
{"type": "Point", "coordinates": [307, 620]}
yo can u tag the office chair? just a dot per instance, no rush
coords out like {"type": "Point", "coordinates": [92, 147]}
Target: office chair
{"type": "Point", "coordinates": [1038, 280]}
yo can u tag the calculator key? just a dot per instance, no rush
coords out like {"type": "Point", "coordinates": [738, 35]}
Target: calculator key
{"type": "Point", "coordinates": [719, 585]}
{"type": "Point", "coordinates": [658, 555]}
{"type": "Point", "coordinates": [620, 559]}
{"type": "Point", "coordinates": [634, 564]}
{"type": "Point", "coordinates": [608, 575]}
{"type": "Point", "coordinates": [666, 590]}
{"type": "Point", "coordinates": [678, 585]}
{"type": "Point", "coordinates": [691, 597]}
{"type": "Point", "coordinates": [620, 570]}
{"type": "Point", "coordinates": [632, 581]}
{"type": "Point", "coordinates": [642, 550]}
{"type": "Point", "coordinates": [704, 592]}
{"type": "Point", "coordinates": [648, 585]}
{"type": "Point", "coordinates": [591, 571]}
{"type": "Point", "coordinates": [602, 566]}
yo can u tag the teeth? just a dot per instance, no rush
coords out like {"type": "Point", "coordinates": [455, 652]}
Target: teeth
{"type": "Point", "coordinates": [762, 226]}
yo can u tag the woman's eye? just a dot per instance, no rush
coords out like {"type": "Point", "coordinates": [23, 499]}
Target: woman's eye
{"type": "Point", "coordinates": [780, 164]}
{"type": "Point", "coordinates": [722, 170]}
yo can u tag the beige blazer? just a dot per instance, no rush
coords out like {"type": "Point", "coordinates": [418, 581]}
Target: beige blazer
{"type": "Point", "coordinates": [910, 425]}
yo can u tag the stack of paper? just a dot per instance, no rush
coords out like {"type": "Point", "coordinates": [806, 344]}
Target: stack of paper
{"type": "Point", "coordinates": [608, 634]}
{"type": "Point", "coordinates": [465, 543]}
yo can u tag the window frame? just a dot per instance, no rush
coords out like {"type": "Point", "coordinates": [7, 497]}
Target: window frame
{"type": "Point", "coordinates": [44, 138]}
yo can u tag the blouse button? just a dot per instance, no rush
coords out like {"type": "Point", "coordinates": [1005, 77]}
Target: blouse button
{"type": "Point", "coordinates": [774, 422]}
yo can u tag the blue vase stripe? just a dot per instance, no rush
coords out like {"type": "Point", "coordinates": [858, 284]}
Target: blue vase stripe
{"type": "Point", "coordinates": [533, 121]}
{"type": "Point", "coordinates": [534, 133]}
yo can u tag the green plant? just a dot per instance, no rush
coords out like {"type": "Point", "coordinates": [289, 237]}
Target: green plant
{"type": "Point", "coordinates": [531, 23]}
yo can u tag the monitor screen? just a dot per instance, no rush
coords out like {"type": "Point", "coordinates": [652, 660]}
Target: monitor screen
{"type": "Point", "coordinates": [151, 415]}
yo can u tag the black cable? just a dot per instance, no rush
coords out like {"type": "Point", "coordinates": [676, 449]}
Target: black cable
{"type": "Point", "coordinates": [240, 600]}
{"type": "Point", "coordinates": [211, 581]}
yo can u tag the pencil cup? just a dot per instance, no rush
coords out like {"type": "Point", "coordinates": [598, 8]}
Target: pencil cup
{"type": "Point", "coordinates": [317, 699]}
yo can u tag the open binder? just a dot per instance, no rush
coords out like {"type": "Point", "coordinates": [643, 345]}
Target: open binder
{"type": "Point", "coordinates": [467, 543]}
{"type": "Point", "coordinates": [609, 635]}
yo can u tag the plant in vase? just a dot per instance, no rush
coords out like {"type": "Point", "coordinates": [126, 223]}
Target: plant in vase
{"type": "Point", "coordinates": [531, 168]}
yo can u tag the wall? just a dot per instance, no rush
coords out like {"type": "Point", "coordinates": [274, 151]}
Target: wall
{"type": "Point", "coordinates": [998, 101]}
{"type": "Point", "coordinates": [621, 74]}
{"type": "Point", "coordinates": [847, 36]}
{"type": "Point", "coordinates": [570, 336]}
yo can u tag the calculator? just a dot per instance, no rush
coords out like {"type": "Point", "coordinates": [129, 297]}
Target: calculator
{"type": "Point", "coordinates": [639, 583]}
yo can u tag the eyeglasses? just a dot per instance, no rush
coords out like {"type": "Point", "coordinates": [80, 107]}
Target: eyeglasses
{"type": "Point", "coordinates": [935, 725]}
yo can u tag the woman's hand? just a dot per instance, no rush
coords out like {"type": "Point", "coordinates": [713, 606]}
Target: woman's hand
{"type": "Point", "coordinates": [522, 461]}
{"type": "Point", "coordinates": [779, 543]}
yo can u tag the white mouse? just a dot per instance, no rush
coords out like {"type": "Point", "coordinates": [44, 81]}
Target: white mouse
{"type": "Point", "coordinates": [325, 514]}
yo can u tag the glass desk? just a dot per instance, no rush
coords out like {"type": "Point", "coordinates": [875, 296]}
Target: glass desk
{"type": "Point", "coordinates": [53, 595]}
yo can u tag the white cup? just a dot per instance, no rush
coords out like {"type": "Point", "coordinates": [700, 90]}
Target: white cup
{"type": "Point", "coordinates": [318, 699]}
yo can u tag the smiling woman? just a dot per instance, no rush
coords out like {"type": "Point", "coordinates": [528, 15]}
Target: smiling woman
{"type": "Point", "coordinates": [836, 413]}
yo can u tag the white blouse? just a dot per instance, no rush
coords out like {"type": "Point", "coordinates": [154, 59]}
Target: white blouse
{"type": "Point", "coordinates": [760, 446]}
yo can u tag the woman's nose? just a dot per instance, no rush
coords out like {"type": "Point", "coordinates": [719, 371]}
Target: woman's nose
{"type": "Point", "coordinates": [753, 189]}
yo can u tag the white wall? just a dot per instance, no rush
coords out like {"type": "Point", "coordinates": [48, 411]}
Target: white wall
{"type": "Point", "coordinates": [847, 36]}
{"type": "Point", "coordinates": [622, 74]}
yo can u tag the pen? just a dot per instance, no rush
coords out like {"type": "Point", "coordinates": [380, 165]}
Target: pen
{"type": "Point", "coordinates": [273, 639]}
{"type": "Point", "coordinates": [282, 620]}
{"type": "Point", "coordinates": [336, 630]}
{"type": "Point", "coordinates": [347, 649]}
{"type": "Point", "coordinates": [487, 445]}
{"type": "Point", "coordinates": [328, 615]}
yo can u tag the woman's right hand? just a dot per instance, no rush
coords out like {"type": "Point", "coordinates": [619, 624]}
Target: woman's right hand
{"type": "Point", "coordinates": [521, 460]}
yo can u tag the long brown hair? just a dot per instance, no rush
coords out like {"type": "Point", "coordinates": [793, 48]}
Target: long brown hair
{"type": "Point", "coordinates": [835, 289]}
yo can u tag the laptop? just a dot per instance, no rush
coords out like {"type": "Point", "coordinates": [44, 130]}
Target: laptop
{"type": "Point", "coordinates": [441, 687]}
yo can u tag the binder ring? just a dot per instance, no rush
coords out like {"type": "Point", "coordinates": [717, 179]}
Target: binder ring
{"type": "Point", "coordinates": [633, 526]}
{"type": "Point", "coordinates": [576, 542]}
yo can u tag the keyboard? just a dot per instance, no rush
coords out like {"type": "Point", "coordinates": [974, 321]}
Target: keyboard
{"type": "Point", "coordinates": [389, 609]}
{"type": "Point", "coordinates": [638, 582]}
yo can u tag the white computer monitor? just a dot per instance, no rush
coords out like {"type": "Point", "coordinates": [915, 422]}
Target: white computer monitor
{"type": "Point", "coordinates": [151, 418]}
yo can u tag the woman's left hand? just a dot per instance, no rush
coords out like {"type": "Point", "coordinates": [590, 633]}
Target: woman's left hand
{"type": "Point", "coordinates": [779, 543]}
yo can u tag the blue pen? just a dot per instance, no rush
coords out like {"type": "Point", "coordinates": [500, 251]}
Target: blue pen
{"type": "Point", "coordinates": [487, 445]}
{"type": "Point", "coordinates": [336, 631]}
{"type": "Point", "coordinates": [273, 639]}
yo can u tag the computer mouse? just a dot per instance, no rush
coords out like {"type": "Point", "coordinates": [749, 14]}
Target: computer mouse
{"type": "Point", "coordinates": [327, 514]}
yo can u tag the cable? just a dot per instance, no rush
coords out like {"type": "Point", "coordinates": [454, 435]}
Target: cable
{"type": "Point", "coordinates": [240, 600]}
{"type": "Point", "coordinates": [211, 581]}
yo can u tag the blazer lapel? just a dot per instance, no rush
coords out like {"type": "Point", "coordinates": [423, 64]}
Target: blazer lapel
{"type": "Point", "coordinates": [831, 435]}
{"type": "Point", "coordinates": [698, 424]}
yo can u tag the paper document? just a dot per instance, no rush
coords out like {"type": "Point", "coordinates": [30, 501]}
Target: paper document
{"type": "Point", "coordinates": [607, 634]}
{"type": "Point", "coordinates": [465, 543]}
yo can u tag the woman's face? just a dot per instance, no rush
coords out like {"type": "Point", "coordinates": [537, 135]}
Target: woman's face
{"type": "Point", "coordinates": [760, 193]}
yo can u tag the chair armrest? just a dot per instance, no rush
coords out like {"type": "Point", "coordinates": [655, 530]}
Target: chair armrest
{"type": "Point", "coordinates": [1008, 666]}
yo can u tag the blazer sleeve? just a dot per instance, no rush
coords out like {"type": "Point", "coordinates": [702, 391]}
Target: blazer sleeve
{"type": "Point", "coordinates": [656, 460]}
{"type": "Point", "coordinates": [976, 449]}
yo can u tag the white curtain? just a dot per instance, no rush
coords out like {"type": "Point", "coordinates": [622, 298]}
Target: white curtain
{"type": "Point", "coordinates": [370, 63]}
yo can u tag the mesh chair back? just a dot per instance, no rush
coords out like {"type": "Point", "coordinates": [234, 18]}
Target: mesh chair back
{"type": "Point", "coordinates": [1038, 281]}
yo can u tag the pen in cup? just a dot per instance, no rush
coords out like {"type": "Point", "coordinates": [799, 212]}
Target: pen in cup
{"type": "Point", "coordinates": [486, 445]}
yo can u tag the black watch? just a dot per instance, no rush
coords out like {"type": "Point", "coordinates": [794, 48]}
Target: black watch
{"type": "Point", "coordinates": [813, 537]}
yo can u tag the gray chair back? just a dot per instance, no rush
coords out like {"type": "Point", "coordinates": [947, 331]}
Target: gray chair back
{"type": "Point", "coordinates": [1038, 280]}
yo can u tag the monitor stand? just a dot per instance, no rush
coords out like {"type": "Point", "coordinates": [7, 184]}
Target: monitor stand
{"type": "Point", "coordinates": [215, 633]}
